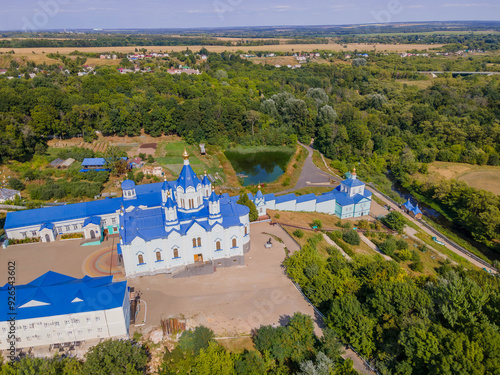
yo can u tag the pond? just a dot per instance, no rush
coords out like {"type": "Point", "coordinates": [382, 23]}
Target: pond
{"type": "Point", "coordinates": [259, 166]}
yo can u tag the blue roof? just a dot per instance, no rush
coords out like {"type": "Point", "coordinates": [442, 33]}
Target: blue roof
{"type": "Point", "coordinates": [128, 184]}
{"type": "Point", "coordinates": [353, 182]}
{"type": "Point", "coordinates": [285, 198]}
{"type": "Point", "coordinates": [91, 162]}
{"type": "Point", "coordinates": [213, 197]}
{"type": "Point", "coordinates": [408, 205]}
{"type": "Point", "coordinates": [269, 197]}
{"type": "Point", "coordinates": [47, 225]}
{"type": "Point", "coordinates": [170, 202]}
{"type": "Point", "coordinates": [205, 181]}
{"type": "Point", "coordinates": [259, 194]}
{"type": "Point", "coordinates": [146, 224]}
{"type": "Point", "coordinates": [416, 210]}
{"type": "Point", "coordinates": [96, 220]}
{"type": "Point", "coordinates": [343, 199]}
{"type": "Point", "coordinates": [188, 178]}
{"type": "Point", "coordinates": [57, 294]}
{"type": "Point", "coordinates": [61, 213]}
{"type": "Point", "coordinates": [306, 198]}
{"type": "Point", "coordinates": [325, 197]}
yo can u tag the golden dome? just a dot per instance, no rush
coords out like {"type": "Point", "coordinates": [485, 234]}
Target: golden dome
{"type": "Point", "coordinates": [185, 154]}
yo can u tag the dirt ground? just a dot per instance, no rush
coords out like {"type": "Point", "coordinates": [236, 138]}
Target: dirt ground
{"type": "Point", "coordinates": [478, 176]}
{"type": "Point", "coordinates": [232, 301]}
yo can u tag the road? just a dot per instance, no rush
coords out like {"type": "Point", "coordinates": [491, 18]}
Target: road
{"type": "Point", "coordinates": [310, 175]}
{"type": "Point", "coordinates": [456, 72]}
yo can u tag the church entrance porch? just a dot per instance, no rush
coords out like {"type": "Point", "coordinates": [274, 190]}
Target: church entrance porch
{"type": "Point", "coordinates": [198, 258]}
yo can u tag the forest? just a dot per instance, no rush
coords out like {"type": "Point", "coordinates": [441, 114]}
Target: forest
{"type": "Point", "coordinates": [441, 324]}
{"type": "Point", "coordinates": [356, 113]}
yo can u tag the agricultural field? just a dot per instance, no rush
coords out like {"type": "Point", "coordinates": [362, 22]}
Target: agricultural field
{"type": "Point", "coordinates": [478, 176]}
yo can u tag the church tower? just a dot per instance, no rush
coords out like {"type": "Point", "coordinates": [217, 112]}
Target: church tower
{"type": "Point", "coordinates": [128, 190]}
{"type": "Point", "coordinates": [170, 210]}
{"type": "Point", "coordinates": [189, 195]}
{"type": "Point", "coordinates": [206, 186]}
{"type": "Point", "coordinates": [214, 214]}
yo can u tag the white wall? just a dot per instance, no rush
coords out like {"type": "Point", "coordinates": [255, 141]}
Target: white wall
{"type": "Point", "coordinates": [70, 327]}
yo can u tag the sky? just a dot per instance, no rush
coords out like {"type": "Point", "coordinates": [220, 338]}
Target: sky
{"type": "Point", "coordinates": [126, 14]}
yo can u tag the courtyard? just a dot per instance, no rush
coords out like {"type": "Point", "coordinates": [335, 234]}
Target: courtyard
{"type": "Point", "coordinates": [231, 301]}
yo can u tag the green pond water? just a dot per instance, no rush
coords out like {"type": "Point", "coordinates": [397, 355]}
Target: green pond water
{"type": "Point", "coordinates": [259, 167]}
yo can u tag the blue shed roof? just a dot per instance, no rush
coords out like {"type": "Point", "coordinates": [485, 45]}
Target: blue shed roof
{"type": "Point", "coordinates": [285, 198]}
{"type": "Point", "coordinates": [408, 205]}
{"type": "Point", "coordinates": [93, 162]}
{"type": "Point", "coordinates": [306, 198]}
{"type": "Point", "coordinates": [56, 294]}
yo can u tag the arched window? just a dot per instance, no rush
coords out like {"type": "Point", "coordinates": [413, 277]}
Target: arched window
{"type": "Point", "coordinates": [246, 231]}
{"type": "Point", "coordinates": [158, 256]}
{"type": "Point", "coordinates": [234, 242]}
{"type": "Point", "coordinates": [199, 241]}
{"type": "Point", "coordinates": [176, 253]}
{"type": "Point", "coordinates": [194, 242]}
{"type": "Point", "coordinates": [217, 245]}
{"type": "Point", "coordinates": [191, 203]}
{"type": "Point", "coordinates": [141, 259]}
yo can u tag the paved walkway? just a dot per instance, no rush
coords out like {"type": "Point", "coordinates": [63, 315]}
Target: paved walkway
{"type": "Point", "coordinates": [310, 175]}
{"type": "Point", "coordinates": [416, 222]}
{"type": "Point", "coordinates": [332, 243]}
{"type": "Point", "coordinates": [373, 246]}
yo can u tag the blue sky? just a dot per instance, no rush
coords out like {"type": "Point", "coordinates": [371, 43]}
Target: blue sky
{"type": "Point", "coordinates": [109, 14]}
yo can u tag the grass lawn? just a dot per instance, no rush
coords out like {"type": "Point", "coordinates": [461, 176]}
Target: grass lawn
{"type": "Point", "coordinates": [237, 344]}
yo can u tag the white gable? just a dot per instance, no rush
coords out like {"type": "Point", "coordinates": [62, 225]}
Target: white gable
{"type": "Point", "coordinates": [34, 303]}
{"type": "Point", "coordinates": [76, 299]}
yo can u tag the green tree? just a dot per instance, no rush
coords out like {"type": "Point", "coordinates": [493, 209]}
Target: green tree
{"type": "Point", "coordinates": [244, 200]}
{"type": "Point", "coordinates": [351, 237]}
{"type": "Point", "coordinates": [116, 357]}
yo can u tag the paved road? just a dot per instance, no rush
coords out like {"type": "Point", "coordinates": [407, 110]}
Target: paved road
{"type": "Point", "coordinates": [310, 174]}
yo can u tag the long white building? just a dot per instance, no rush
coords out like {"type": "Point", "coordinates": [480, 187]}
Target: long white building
{"type": "Point", "coordinates": [56, 309]}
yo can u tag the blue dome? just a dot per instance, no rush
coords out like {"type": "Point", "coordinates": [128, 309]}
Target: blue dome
{"type": "Point", "coordinates": [128, 185]}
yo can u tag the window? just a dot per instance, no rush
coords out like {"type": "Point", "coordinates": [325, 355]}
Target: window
{"type": "Point", "coordinates": [56, 324]}
{"type": "Point", "coordinates": [75, 226]}
{"type": "Point", "coordinates": [97, 318]}
{"type": "Point", "coordinates": [234, 242]}
{"type": "Point", "coordinates": [59, 229]}
{"type": "Point", "coordinates": [103, 221]}
{"type": "Point", "coordinates": [176, 253]}
{"type": "Point", "coordinates": [140, 259]}
{"type": "Point", "coordinates": [113, 220]}
{"type": "Point", "coordinates": [191, 203]}
{"type": "Point", "coordinates": [32, 325]}
{"type": "Point", "coordinates": [158, 256]}
{"type": "Point", "coordinates": [89, 320]}
{"type": "Point", "coordinates": [194, 242]}
{"type": "Point", "coordinates": [199, 241]}
{"type": "Point", "coordinates": [89, 330]}
{"type": "Point", "coordinates": [217, 245]}
{"type": "Point", "coordinates": [49, 335]}
{"type": "Point", "coordinates": [33, 233]}
{"type": "Point", "coordinates": [24, 234]}
{"type": "Point", "coordinates": [66, 322]}
{"type": "Point", "coordinates": [68, 228]}
{"type": "Point", "coordinates": [99, 329]}
{"type": "Point", "coordinates": [246, 231]}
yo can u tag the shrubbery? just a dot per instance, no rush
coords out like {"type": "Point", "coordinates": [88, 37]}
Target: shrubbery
{"type": "Point", "coordinates": [298, 233]}
{"type": "Point", "coordinates": [351, 237]}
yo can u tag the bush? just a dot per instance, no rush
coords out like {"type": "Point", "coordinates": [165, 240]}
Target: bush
{"type": "Point", "coordinates": [394, 220]}
{"type": "Point", "coordinates": [351, 237]}
{"type": "Point", "coordinates": [286, 181]}
{"type": "Point", "coordinates": [334, 235]}
{"type": "Point", "coordinates": [417, 266]}
{"type": "Point", "coordinates": [277, 216]}
{"type": "Point", "coordinates": [388, 246]}
{"type": "Point", "coordinates": [15, 184]}
{"type": "Point", "coordinates": [298, 233]}
{"type": "Point", "coordinates": [401, 244]}
{"type": "Point", "coordinates": [317, 223]}
{"type": "Point", "coordinates": [405, 255]}
{"type": "Point", "coordinates": [71, 235]}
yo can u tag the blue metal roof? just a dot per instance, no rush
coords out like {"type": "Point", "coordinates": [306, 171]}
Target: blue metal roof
{"type": "Point", "coordinates": [96, 220]}
{"type": "Point", "coordinates": [47, 225]}
{"type": "Point", "coordinates": [213, 197]}
{"type": "Point", "coordinates": [205, 181]}
{"type": "Point", "coordinates": [128, 184]}
{"type": "Point", "coordinates": [269, 197]}
{"type": "Point", "coordinates": [170, 202]}
{"type": "Point", "coordinates": [416, 210]}
{"type": "Point", "coordinates": [353, 182]}
{"type": "Point", "coordinates": [188, 178]}
{"type": "Point", "coordinates": [62, 213]}
{"type": "Point", "coordinates": [259, 194]}
{"type": "Point", "coordinates": [343, 199]}
{"type": "Point", "coordinates": [306, 198]}
{"type": "Point", "coordinates": [408, 205]}
{"type": "Point", "coordinates": [325, 197]}
{"type": "Point", "coordinates": [57, 294]}
{"type": "Point", "coordinates": [93, 162]}
{"type": "Point", "coordinates": [285, 198]}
